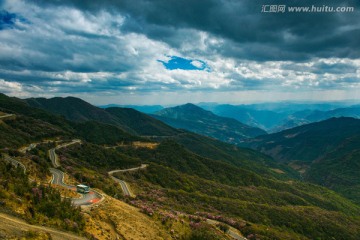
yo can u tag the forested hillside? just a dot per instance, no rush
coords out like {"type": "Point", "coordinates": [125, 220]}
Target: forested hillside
{"type": "Point", "coordinates": [187, 176]}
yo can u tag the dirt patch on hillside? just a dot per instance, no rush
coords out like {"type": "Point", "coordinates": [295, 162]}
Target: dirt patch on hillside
{"type": "Point", "coordinates": [113, 219]}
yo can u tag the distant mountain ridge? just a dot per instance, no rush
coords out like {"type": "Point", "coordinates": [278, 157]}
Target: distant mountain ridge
{"type": "Point", "coordinates": [78, 110]}
{"type": "Point", "coordinates": [198, 120]}
{"type": "Point", "coordinates": [140, 108]}
{"type": "Point", "coordinates": [275, 117]}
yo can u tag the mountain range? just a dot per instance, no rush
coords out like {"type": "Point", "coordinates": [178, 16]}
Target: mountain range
{"type": "Point", "coordinates": [275, 117]}
{"type": "Point", "coordinates": [114, 125]}
{"type": "Point", "coordinates": [271, 117]}
{"type": "Point", "coordinates": [189, 175]}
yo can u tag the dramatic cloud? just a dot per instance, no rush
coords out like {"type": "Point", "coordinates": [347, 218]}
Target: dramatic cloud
{"type": "Point", "coordinates": [160, 48]}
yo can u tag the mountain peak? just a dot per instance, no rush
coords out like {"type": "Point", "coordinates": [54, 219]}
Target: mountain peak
{"type": "Point", "coordinates": [190, 105]}
{"type": "Point", "coordinates": [199, 120]}
{"type": "Point", "coordinates": [186, 111]}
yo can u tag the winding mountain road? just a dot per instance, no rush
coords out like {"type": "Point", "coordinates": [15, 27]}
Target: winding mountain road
{"type": "Point", "coordinates": [53, 156]}
{"type": "Point", "coordinates": [86, 199]}
{"type": "Point", "coordinates": [14, 162]}
{"type": "Point", "coordinates": [122, 183]}
{"type": "Point", "coordinates": [58, 179]}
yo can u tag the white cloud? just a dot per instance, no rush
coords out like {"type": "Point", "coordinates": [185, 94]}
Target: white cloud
{"type": "Point", "coordinates": [66, 51]}
{"type": "Point", "coordinates": [197, 64]}
{"type": "Point", "coordinates": [9, 87]}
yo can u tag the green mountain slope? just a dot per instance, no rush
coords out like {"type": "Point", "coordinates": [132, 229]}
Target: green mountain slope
{"type": "Point", "coordinates": [21, 130]}
{"type": "Point", "coordinates": [326, 153]}
{"type": "Point", "coordinates": [339, 169]}
{"type": "Point", "coordinates": [75, 109]}
{"type": "Point", "coordinates": [31, 124]}
{"type": "Point", "coordinates": [141, 123]}
{"type": "Point", "coordinates": [180, 181]}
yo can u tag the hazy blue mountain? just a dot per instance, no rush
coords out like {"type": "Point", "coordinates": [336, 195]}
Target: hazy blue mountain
{"type": "Point", "coordinates": [196, 119]}
{"type": "Point", "coordinates": [264, 119]}
{"type": "Point", "coordinates": [275, 117]}
{"type": "Point", "coordinates": [309, 116]}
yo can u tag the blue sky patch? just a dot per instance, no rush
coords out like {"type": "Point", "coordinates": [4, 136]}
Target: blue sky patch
{"type": "Point", "coordinates": [7, 20]}
{"type": "Point", "coordinates": [183, 63]}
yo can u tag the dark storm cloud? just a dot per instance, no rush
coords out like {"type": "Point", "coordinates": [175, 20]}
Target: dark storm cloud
{"type": "Point", "coordinates": [251, 34]}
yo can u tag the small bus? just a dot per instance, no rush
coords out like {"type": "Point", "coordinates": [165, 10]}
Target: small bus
{"type": "Point", "coordinates": [82, 188]}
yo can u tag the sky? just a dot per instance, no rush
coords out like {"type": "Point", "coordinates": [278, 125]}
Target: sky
{"type": "Point", "coordinates": [177, 51]}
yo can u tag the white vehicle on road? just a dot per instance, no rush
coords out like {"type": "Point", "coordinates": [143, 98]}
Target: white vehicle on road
{"type": "Point", "coordinates": [82, 188]}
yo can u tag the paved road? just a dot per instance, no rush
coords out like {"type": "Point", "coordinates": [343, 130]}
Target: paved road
{"type": "Point", "coordinates": [16, 226]}
{"type": "Point", "coordinates": [234, 233]}
{"type": "Point", "coordinates": [122, 183]}
{"type": "Point", "coordinates": [32, 146]}
{"type": "Point", "coordinates": [14, 162]}
{"type": "Point", "coordinates": [54, 157]}
{"type": "Point", "coordinates": [128, 170]}
{"type": "Point", "coordinates": [58, 179]}
{"type": "Point", "coordinates": [7, 115]}
{"type": "Point", "coordinates": [86, 199]}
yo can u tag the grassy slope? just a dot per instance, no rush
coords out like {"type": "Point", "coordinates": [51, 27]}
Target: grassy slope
{"type": "Point", "coordinates": [295, 208]}
{"type": "Point", "coordinates": [339, 169]}
{"type": "Point", "coordinates": [329, 149]}
{"type": "Point", "coordinates": [178, 179]}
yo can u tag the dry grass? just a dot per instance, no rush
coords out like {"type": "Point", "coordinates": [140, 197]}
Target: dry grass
{"type": "Point", "coordinates": [277, 170]}
{"type": "Point", "coordinates": [138, 144]}
{"type": "Point", "coordinates": [113, 219]}
{"type": "Point", "coordinates": [67, 193]}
